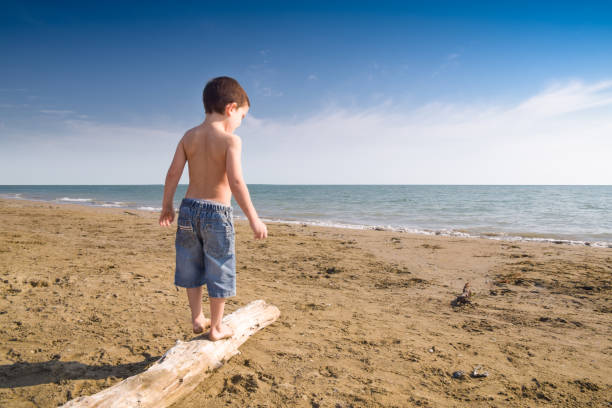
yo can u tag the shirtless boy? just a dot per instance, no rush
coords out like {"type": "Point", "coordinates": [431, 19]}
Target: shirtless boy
{"type": "Point", "coordinates": [205, 245]}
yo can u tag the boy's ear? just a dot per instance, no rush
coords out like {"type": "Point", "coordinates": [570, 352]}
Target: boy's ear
{"type": "Point", "coordinates": [229, 107]}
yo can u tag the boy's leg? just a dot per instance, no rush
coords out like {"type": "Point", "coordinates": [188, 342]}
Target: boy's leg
{"type": "Point", "coordinates": [220, 265]}
{"type": "Point", "coordinates": [218, 330]}
{"type": "Point", "coordinates": [189, 263]}
{"type": "Point", "coordinates": [195, 304]}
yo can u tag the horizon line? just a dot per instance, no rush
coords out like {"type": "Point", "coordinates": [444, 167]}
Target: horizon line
{"type": "Point", "coordinates": [317, 184]}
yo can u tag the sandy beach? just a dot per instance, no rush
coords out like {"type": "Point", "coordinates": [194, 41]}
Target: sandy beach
{"type": "Point", "coordinates": [87, 299]}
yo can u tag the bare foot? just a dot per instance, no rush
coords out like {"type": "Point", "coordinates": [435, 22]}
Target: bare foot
{"type": "Point", "coordinates": [200, 323]}
{"type": "Point", "coordinates": [219, 333]}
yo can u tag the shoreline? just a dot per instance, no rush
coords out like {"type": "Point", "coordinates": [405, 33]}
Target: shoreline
{"type": "Point", "coordinates": [496, 236]}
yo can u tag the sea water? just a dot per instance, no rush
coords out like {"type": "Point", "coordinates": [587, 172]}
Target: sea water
{"type": "Point", "coordinates": [574, 214]}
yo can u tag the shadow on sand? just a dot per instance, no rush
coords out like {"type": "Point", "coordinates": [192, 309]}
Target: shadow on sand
{"type": "Point", "coordinates": [54, 371]}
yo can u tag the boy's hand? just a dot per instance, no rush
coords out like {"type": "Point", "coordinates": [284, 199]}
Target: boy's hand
{"type": "Point", "coordinates": [166, 217]}
{"type": "Point", "coordinates": [260, 231]}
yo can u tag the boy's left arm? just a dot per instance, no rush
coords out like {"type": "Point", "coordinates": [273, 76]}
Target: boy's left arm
{"type": "Point", "coordinates": [172, 178]}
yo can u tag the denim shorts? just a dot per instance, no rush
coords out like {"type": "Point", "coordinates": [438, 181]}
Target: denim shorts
{"type": "Point", "coordinates": [205, 247]}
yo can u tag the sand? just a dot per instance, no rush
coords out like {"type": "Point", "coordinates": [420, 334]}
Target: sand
{"type": "Point", "coordinates": [87, 299]}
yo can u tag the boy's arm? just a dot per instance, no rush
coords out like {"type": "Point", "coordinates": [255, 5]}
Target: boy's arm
{"type": "Point", "coordinates": [172, 178]}
{"type": "Point", "coordinates": [239, 187]}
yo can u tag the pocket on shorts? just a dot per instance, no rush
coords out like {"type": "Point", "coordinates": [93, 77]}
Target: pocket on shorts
{"type": "Point", "coordinates": [219, 240]}
{"type": "Point", "coordinates": [184, 219]}
{"type": "Point", "coordinates": [185, 235]}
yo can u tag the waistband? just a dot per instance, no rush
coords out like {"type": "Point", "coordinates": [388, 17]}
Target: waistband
{"type": "Point", "coordinates": [205, 204]}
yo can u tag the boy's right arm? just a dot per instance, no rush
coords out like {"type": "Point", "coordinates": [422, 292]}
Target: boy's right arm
{"type": "Point", "coordinates": [172, 178]}
{"type": "Point", "coordinates": [239, 187]}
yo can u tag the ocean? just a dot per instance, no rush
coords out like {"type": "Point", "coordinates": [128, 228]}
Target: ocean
{"type": "Point", "coordinates": [580, 215]}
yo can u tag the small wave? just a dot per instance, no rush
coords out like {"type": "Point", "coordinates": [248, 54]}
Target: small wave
{"type": "Point", "coordinates": [11, 196]}
{"type": "Point", "coordinates": [313, 223]}
{"type": "Point", "coordinates": [76, 200]}
{"type": "Point", "coordinates": [445, 232]}
{"type": "Point", "coordinates": [501, 236]}
{"type": "Point", "coordinates": [149, 208]}
{"type": "Point", "coordinates": [113, 204]}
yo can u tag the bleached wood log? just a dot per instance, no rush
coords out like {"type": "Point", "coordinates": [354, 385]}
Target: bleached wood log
{"type": "Point", "coordinates": [183, 366]}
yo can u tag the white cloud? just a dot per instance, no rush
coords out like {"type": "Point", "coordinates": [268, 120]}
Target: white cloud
{"type": "Point", "coordinates": [452, 60]}
{"type": "Point", "coordinates": [312, 77]}
{"type": "Point", "coordinates": [565, 98]}
{"type": "Point", "coordinates": [560, 135]}
{"type": "Point", "coordinates": [87, 152]}
{"type": "Point", "coordinates": [13, 105]}
{"type": "Point", "coordinates": [56, 112]}
{"type": "Point", "coordinates": [90, 130]}
{"type": "Point", "coordinates": [270, 92]}
{"type": "Point", "coordinates": [442, 143]}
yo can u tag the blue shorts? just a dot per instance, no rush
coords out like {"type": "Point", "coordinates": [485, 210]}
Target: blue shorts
{"type": "Point", "coordinates": [205, 247]}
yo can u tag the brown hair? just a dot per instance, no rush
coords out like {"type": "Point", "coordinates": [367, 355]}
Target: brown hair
{"type": "Point", "coordinates": [220, 91]}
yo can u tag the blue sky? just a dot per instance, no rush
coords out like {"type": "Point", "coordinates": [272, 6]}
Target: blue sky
{"type": "Point", "coordinates": [342, 92]}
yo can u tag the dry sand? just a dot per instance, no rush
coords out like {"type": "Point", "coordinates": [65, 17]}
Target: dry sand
{"type": "Point", "coordinates": [87, 299]}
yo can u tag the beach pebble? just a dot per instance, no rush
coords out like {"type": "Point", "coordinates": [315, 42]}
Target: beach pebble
{"type": "Point", "coordinates": [460, 375]}
{"type": "Point", "coordinates": [476, 373]}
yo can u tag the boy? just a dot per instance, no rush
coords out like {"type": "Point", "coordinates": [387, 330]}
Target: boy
{"type": "Point", "coordinates": [205, 235]}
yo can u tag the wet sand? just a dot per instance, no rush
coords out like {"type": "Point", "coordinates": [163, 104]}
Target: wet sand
{"type": "Point", "coordinates": [87, 299]}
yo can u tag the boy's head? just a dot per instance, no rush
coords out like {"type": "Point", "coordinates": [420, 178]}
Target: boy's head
{"type": "Point", "coordinates": [222, 91]}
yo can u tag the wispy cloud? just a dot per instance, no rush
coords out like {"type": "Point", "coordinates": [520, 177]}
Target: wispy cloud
{"type": "Point", "coordinates": [312, 77]}
{"type": "Point", "coordinates": [270, 92]}
{"type": "Point", "coordinates": [103, 153]}
{"type": "Point", "coordinates": [13, 105]}
{"type": "Point", "coordinates": [572, 97]}
{"type": "Point", "coordinates": [88, 130]}
{"type": "Point", "coordinates": [453, 56]}
{"type": "Point", "coordinates": [262, 76]}
{"type": "Point", "coordinates": [451, 60]}
{"type": "Point", "coordinates": [444, 143]}
{"type": "Point", "coordinates": [57, 112]}
{"type": "Point", "coordinates": [558, 135]}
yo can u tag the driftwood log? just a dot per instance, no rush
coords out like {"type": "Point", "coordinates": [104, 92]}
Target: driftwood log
{"type": "Point", "coordinates": [184, 366]}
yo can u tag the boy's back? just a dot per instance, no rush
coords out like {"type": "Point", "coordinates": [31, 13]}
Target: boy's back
{"type": "Point", "coordinates": [206, 152]}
